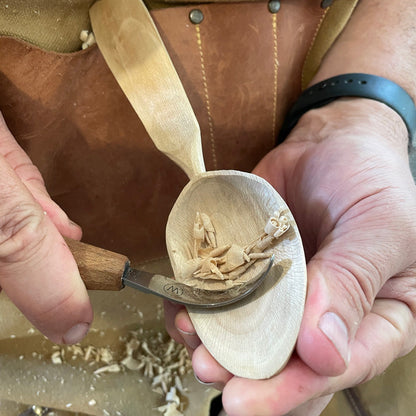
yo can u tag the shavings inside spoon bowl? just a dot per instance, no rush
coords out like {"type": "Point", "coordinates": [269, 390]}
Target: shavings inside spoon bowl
{"type": "Point", "coordinates": [223, 227]}
{"type": "Point", "coordinates": [223, 267]}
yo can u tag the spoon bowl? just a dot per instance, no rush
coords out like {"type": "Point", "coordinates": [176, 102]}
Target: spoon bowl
{"type": "Point", "coordinates": [239, 205]}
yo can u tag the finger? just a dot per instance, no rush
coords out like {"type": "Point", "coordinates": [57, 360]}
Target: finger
{"type": "Point", "coordinates": [379, 341]}
{"type": "Point", "coordinates": [32, 179]}
{"type": "Point", "coordinates": [179, 326]}
{"type": "Point", "coordinates": [313, 407]}
{"type": "Point", "coordinates": [185, 327]}
{"type": "Point", "coordinates": [208, 370]}
{"type": "Point", "coordinates": [402, 287]}
{"type": "Point", "coordinates": [37, 270]}
{"type": "Point", "coordinates": [60, 219]}
{"type": "Point", "coordinates": [274, 397]}
{"type": "Point", "coordinates": [171, 309]}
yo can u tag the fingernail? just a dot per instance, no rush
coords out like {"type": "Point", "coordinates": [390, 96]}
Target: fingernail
{"type": "Point", "coordinates": [217, 386]}
{"type": "Point", "coordinates": [73, 224]}
{"type": "Point", "coordinates": [191, 339]}
{"type": "Point", "coordinates": [186, 332]}
{"type": "Point", "coordinates": [204, 383]}
{"type": "Point", "coordinates": [76, 333]}
{"type": "Point", "coordinates": [336, 331]}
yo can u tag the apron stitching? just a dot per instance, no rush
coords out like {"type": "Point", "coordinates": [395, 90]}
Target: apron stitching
{"type": "Point", "coordinates": [321, 20]}
{"type": "Point", "coordinates": [206, 94]}
{"type": "Point", "coordinates": [276, 70]}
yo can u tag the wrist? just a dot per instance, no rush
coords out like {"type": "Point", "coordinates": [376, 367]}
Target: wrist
{"type": "Point", "coordinates": [354, 118]}
{"type": "Point", "coordinates": [377, 40]}
{"type": "Point", "coordinates": [353, 85]}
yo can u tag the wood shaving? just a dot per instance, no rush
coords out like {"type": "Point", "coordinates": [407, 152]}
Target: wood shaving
{"type": "Point", "coordinates": [227, 263]}
{"type": "Point", "coordinates": [164, 363]}
{"type": "Point", "coordinates": [112, 368]}
{"type": "Point", "coordinates": [171, 396]}
{"type": "Point", "coordinates": [56, 357]}
{"type": "Point", "coordinates": [89, 354]}
{"type": "Point", "coordinates": [87, 38]}
{"type": "Point", "coordinates": [132, 364]}
{"type": "Point", "coordinates": [105, 355]}
{"type": "Point", "coordinates": [151, 354]}
{"type": "Point", "coordinates": [173, 404]}
{"type": "Point", "coordinates": [170, 409]}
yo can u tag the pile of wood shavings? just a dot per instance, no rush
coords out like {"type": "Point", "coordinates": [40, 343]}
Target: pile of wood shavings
{"type": "Point", "coordinates": [163, 361]}
{"type": "Point", "coordinates": [165, 366]}
{"type": "Point", "coordinates": [229, 262]}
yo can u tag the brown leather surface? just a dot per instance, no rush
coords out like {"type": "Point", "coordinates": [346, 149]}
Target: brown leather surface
{"type": "Point", "coordinates": [68, 113]}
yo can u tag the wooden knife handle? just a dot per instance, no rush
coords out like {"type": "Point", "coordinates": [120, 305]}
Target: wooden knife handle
{"type": "Point", "coordinates": [100, 269]}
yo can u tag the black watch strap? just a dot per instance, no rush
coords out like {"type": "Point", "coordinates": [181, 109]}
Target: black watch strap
{"type": "Point", "coordinates": [353, 85]}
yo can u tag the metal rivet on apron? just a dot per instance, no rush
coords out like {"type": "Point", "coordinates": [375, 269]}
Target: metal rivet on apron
{"type": "Point", "coordinates": [196, 16]}
{"type": "Point", "coordinates": [326, 3]}
{"type": "Point", "coordinates": [274, 6]}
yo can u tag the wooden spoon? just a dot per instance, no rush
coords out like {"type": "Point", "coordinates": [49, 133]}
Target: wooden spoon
{"type": "Point", "coordinates": [255, 338]}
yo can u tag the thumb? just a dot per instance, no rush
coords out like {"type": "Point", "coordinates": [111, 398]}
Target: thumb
{"type": "Point", "coordinates": [344, 278]}
{"type": "Point", "coordinates": [327, 326]}
{"type": "Point", "coordinates": [37, 270]}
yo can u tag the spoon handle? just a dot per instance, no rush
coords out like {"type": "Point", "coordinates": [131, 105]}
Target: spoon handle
{"type": "Point", "coordinates": [134, 51]}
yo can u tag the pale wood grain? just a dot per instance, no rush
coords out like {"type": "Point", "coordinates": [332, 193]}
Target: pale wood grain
{"type": "Point", "coordinates": [255, 338]}
{"type": "Point", "coordinates": [135, 53]}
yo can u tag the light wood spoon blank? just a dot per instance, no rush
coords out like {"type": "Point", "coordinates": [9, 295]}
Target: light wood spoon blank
{"type": "Point", "coordinates": [254, 338]}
